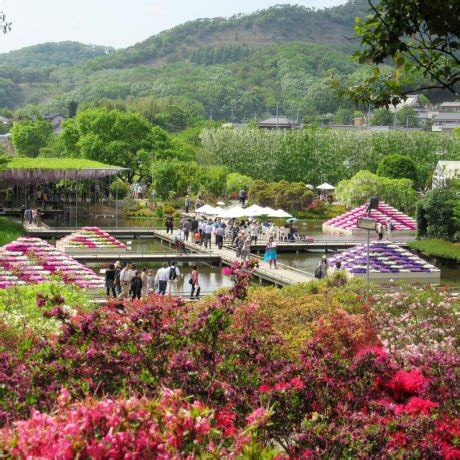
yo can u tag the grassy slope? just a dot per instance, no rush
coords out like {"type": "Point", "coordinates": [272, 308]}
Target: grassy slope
{"type": "Point", "coordinates": [437, 248]}
{"type": "Point", "coordinates": [54, 163]}
{"type": "Point", "coordinates": [9, 231]}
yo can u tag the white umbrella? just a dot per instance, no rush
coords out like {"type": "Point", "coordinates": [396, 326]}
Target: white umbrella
{"type": "Point", "coordinates": [280, 213]}
{"type": "Point", "coordinates": [216, 211]}
{"type": "Point", "coordinates": [206, 209]}
{"type": "Point", "coordinates": [325, 186]}
{"type": "Point", "coordinates": [220, 203]}
{"type": "Point", "coordinates": [255, 210]}
{"type": "Point", "coordinates": [309, 186]}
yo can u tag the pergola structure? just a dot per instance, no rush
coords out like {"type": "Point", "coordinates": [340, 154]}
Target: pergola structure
{"type": "Point", "coordinates": [25, 172]}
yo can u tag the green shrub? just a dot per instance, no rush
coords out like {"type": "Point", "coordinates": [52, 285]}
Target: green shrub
{"type": "Point", "coordinates": [236, 182]}
{"type": "Point", "coordinates": [397, 167]}
{"type": "Point", "coordinates": [160, 211]}
{"type": "Point", "coordinates": [121, 187]}
{"type": "Point", "coordinates": [169, 209]}
{"type": "Point", "coordinates": [435, 214]}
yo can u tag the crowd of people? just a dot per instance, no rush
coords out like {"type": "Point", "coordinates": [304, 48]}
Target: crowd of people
{"type": "Point", "coordinates": [128, 281]}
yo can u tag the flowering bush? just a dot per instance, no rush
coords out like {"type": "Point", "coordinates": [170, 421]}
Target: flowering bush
{"type": "Point", "coordinates": [22, 308]}
{"type": "Point", "coordinates": [169, 427]}
{"type": "Point", "coordinates": [342, 391]}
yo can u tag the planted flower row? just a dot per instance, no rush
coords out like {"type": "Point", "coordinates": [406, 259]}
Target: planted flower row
{"type": "Point", "coordinates": [91, 238]}
{"type": "Point", "coordinates": [32, 260]}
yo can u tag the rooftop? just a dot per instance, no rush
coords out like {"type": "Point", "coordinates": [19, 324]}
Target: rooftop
{"type": "Point", "coordinates": [447, 116]}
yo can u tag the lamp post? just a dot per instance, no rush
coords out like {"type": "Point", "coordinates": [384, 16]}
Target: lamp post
{"type": "Point", "coordinates": [369, 225]}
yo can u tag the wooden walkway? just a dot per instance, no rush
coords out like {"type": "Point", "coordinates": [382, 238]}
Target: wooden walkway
{"type": "Point", "coordinates": [188, 258]}
{"type": "Point", "coordinates": [284, 275]}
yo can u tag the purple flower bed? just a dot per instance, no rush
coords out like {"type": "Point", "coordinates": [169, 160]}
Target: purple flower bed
{"type": "Point", "coordinates": [383, 258]}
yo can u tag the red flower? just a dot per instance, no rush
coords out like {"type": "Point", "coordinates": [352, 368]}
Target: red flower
{"type": "Point", "coordinates": [419, 406]}
{"type": "Point", "coordinates": [280, 386]}
{"type": "Point", "coordinates": [264, 388]}
{"type": "Point", "coordinates": [407, 383]}
{"type": "Point", "coordinates": [297, 384]}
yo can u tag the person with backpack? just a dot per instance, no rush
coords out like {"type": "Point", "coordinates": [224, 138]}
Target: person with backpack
{"type": "Point", "coordinates": [136, 286]}
{"type": "Point", "coordinates": [322, 268]}
{"type": "Point", "coordinates": [169, 224]}
{"type": "Point", "coordinates": [174, 274]}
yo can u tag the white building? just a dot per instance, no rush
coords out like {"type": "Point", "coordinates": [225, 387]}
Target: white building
{"type": "Point", "coordinates": [413, 101]}
{"type": "Point", "coordinates": [444, 172]}
{"type": "Point", "coordinates": [446, 121]}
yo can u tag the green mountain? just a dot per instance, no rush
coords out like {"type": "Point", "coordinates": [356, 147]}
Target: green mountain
{"type": "Point", "coordinates": [241, 65]}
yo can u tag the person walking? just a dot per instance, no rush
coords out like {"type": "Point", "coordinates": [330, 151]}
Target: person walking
{"type": "Point", "coordinates": [271, 255]}
{"type": "Point", "coordinates": [246, 248]}
{"type": "Point", "coordinates": [174, 274]}
{"type": "Point", "coordinates": [195, 282]}
{"type": "Point", "coordinates": [187, 203]}
{"type": "Point", "coordinates": [151, 281]}
{"type": "Point", "coordinates": [117, 278]}
{"type": "Point", "coordinates": [28, 216]}
{"type": "Point", "coordinates": [161, 279]}
{"type": "Point", "coordinates": [126, 275]}
{"type": "Point", "coordinates": [254, 231]}
{"type": "Point", "coordinates": [110, 274]}
{"type": "Point", "coordinates": [186, 226]}
{"type": "Point", "coordinates": [144, 278]}
{"type": "Point", "coordinates": [321, 270]}
{"type": "Point", "coordinates": [242, 196]}
{"type": "Point", "coordinates": [169, 224]}
{"type": "Point", "coordinates": [379, 230]}
{"type": "Point", "coordinates": [136, 286]}
{"type": "Point", "coordinates": [220, 236]}
{"type": "Point", "coordinates": [389, 229]}
{"type": "Point", "coordinates": [207, 234]}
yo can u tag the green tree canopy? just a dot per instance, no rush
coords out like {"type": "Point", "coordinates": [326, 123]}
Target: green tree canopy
{"type": "Point", "coordinates": [235, 182]}
{"type": "Point", "coordinates": [30, 136]}
{"type": "Point", "coordinates": [125, 139]}
{"type": "Point", "coordinates": [437, 214]}
{"type": "Point", "coordinates": [398, 166]}
{"type": "Point", "coordinates": [421, 37]}
{"type": "Point", "coordinates": [382, 117]}
{"type": "Point", "coordinates": [395, 192]}
{"type": "Point", "coordinates": [407, 117]}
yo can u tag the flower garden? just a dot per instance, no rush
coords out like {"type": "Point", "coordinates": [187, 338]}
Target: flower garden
{"type": "Point", "coordinates": [387, 261]}
{"type": "Point", "coordinates": [308, 371]}
{"type": "Point", "coordinates": [347, 222]}
{"type": "Point", "coordinates": [89, 238]}
{"type": "Point", "coordinates": [33, 261]}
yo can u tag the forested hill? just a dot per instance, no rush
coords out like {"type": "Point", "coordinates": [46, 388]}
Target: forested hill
{"type": "Point", "coordinates": [275, 25]}
{"type": "Point", "coordinates": [53, 54]}
{"type": "Point", "coordinates": [245, 64]}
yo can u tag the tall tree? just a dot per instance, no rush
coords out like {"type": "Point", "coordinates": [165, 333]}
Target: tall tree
{"type": "Point", "coordinates": [30, 136]}
{"type": "Point", "coordinates": [421, 37]}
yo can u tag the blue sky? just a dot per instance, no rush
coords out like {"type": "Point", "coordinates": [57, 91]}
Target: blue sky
{"type": "Point", "coordinates": [115, 23]}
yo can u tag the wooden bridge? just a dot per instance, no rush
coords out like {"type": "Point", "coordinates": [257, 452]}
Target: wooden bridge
{"type": "Point", "coordinates": [129, 257]}
{"type": "Point", "coordinates": [284, 275]}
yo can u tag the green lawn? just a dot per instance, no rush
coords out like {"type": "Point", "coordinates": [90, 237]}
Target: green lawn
{"type": "Point", "coordinates": [9, 230]}
{"type": "Point", "coordinates": [437, 248]}
{"type": "Point", "coordinates": [54, 163]}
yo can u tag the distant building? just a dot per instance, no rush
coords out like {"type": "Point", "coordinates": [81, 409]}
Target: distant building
{"type": "Point", "coordinates": [444, 172]}
{"type": "Point", "coordinates": [56, 119]}
{"type": "Point", "coordinates": [278, 123]}
{"type": "Point", "coordinates": [421, 112]}
{"type": "Point", "coordinates": [446, 121]}
{"type": "Point", "coordinates": [449, 107]}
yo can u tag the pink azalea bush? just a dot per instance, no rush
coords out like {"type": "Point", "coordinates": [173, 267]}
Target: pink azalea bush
{"type": "Point", "coordinates": [350, 393]}
{"type": "Point", "coordinates": [167, 428]}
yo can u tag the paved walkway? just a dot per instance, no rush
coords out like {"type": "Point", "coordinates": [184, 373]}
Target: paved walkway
{"type": "Point", "coordinates": [282, 276]}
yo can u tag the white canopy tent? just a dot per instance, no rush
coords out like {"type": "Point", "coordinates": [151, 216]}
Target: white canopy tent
{"type": "Point", "coordinates": [281, 214]}
{"type": "Point", "coordinates": [207, 209]}
{"type": "Point", "coordinates": [325, 187]}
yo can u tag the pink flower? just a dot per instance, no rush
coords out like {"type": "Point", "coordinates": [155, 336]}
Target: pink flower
{"type": "Point", "coordinates": [296, 383]}
{"type": "Point", "coordinates": [259, 417]}
{"type": "Point", "coordinates": [408, 383]}
{"type": "Point", "coordinates": [226, 271]}
{"type": "Point", "coordinates": [281, 386]}
{"type": "Point", "coordinates": [264, 388]}
{"type": "Point", "coordinates": [419, 406]}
